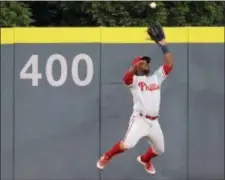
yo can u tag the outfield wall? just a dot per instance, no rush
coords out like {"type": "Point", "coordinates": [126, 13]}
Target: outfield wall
{"type": "Point", "coordinates": [57, 120]}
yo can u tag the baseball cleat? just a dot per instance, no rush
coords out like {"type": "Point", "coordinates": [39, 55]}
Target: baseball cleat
{"type": "Point", "coordinates": [149, 168]}
{"type": "Point", "coordinates": [102, 162]}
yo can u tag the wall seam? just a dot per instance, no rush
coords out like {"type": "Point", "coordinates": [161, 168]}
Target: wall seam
{"type": "Point", "coordinates": [188, 93]}
{"type": "Point", "coordinates": [100, 99]}
{"type": "Point", "coordinates": [14, 56]}
{"type": "Point", "coordinates": [1, 104]}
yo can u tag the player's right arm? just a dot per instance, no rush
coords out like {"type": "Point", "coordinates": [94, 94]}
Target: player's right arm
{"type": "Point", "coordinates": [128, 77]}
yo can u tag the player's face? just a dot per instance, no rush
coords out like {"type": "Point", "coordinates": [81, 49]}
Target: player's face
{"type": "Point", "coordinates": [144, 68]}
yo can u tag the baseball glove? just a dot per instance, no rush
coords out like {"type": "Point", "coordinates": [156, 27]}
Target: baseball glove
{"type": "Point", "coordinates": [155, 32]}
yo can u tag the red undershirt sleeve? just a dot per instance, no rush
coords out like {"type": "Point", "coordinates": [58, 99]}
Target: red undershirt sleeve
{"type": "Point", "coordinates": [166, 69]}
{"type": "Point", "coordinates": [162, 72]}
{"type": "Point", "coordinates": [128, 78]}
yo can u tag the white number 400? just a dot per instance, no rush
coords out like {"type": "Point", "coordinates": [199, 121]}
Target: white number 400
{"type": "Point", "coordinates": [35, 75]}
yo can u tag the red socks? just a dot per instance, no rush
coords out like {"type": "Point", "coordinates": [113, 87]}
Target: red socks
{"type": "Point", "coordinates": [148, 155]}
{"type": "Point", "coordinates": [116, 149]}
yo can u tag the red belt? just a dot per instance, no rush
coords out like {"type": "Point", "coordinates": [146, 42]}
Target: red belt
{"type": "Point", "coordinates": [149, 117]}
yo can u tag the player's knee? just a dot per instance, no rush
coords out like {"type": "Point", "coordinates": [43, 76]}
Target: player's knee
{"type": "Point", "coordinates": [127, 145]}
{"type": "Point", "coordinates": [159, 150]}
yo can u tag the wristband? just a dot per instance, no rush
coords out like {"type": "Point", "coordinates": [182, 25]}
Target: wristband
{"type": "Point", "coordinates": [164, 49]}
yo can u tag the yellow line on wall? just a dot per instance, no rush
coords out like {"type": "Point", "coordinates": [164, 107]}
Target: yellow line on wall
{"type": "Point", "coordinates": [7, 35]}
{"type": "Point", "coordinates": [56, 35]}
{"type": "Point", "coordinates": [139, 35]}
{"type": "Point", "coordinates": [109, 35]}
{"type": "Point", "coordinates": [206, 34]}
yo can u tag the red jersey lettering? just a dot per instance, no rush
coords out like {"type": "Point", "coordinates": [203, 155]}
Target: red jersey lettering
{"type": "Point", "coordinates": [145, 87]}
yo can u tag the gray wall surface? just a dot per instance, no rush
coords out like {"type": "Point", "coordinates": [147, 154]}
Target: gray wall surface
{"type": "Point", "coordinates": [7, 106]}
{"type": "Point", "coordinates": [52, 132]}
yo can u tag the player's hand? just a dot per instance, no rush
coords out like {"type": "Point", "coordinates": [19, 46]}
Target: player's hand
{"type": "Point", "coordinates": [162, 42]}
{"type": "Point", "coordinates": [138, 64]}
{"type": "Point", "coordinates": [135, 67]}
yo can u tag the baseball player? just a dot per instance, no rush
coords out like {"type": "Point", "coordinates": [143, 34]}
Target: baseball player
{"type": "Point", "coordinates": [145, 89]}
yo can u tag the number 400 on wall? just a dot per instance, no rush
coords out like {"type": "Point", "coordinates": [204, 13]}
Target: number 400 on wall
{"type": "Point", "coordinates": [35, 75]}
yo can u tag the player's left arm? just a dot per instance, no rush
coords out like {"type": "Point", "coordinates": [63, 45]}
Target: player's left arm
{"type": "Point", "coordinates": [167, 57]}
{"type": "Point", "coordinates": [167, 65]}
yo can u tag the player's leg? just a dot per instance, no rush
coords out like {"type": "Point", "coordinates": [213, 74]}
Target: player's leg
{"type": "Point", "coordinates": [156, 140]}
{"type": "Point", "coordinates": [117, 148]}
{"type": "Point", "coordinates": [136, 130]}
{"type": "Point", "coordinates": [128, 141]}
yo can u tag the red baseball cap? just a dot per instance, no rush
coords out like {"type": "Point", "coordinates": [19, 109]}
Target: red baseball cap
{"type": "Point", "coordinates": [138, 58]}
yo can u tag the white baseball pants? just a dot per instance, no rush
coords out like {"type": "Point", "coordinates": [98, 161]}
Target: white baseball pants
{"type": "Point", "coordinates": [140, 127]}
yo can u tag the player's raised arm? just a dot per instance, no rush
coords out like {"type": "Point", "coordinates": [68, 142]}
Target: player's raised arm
{"type": "Point", "coordinates": [167, 56]}
{"type": "Point", "coordinates": [156, 33]}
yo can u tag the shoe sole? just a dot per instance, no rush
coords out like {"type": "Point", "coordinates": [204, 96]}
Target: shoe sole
{"type": "Point", "coordinates": [139, 160]}
{"type": "Point", "coordinates": [99, 167]}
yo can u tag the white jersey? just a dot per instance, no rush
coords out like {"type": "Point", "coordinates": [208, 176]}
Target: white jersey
{"type": "Point", "coordinates": [146, 92]}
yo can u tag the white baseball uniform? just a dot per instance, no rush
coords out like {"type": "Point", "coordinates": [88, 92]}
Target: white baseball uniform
{"type": "Point", "coordinates": [146, 101]}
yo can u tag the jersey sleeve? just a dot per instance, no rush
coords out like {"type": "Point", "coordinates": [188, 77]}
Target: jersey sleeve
{"type": "Point", "coordinates": [129, 79]}
{"type": "Point", "coordinates": [163, 72]}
